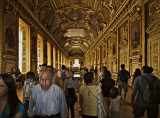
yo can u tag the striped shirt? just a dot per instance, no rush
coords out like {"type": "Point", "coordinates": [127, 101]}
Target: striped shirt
{"type": "Point", "coordinates": [47, 102]}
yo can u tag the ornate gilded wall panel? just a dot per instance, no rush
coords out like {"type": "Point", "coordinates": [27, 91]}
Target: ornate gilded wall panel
{"type": "Point", "coordinates": [114, 56]}
{"type": "Point", "coordinates": [33, 43]}
{"type": "Point", "coordinates": [135, 35]}
{"type": "Point", "coordinates": [153, 30]}
{"type": "Point", "coordinates": [153, 11]}
{"type": "Point", "coordinates": [114, 46]}
{"type": "Point", "coordinates": [134, 63]}
{"type": "Point", "coordinates": [10, 46]}
{"type": "Point", "coordinates": [155, 56]}
{"type": "Point", "coordinates": [109, 53]}
{"type": "Point", "coordinates": [124, 58]}
{"type": "Point", "coordinates": [123, 33]}
{"type": "Point", "coordinates": [155, 63]}
{"type": "Point", "coordinates": [33, 50]}
{"type": "Point", "coordinates": [10, 34]}
{"type": "Point", "coordinates": [155, 47]}
{"type": "Point", "coordinates": [1, 36]}
{"type": "Point", "coordinates": [9, 64]}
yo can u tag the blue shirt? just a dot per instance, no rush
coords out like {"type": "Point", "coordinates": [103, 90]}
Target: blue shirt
{"type": "Point", "coordinates": [72, 84]}
{"type": "Point", "coordinates": [47, 102]}
{"type": "Point", "coordinates": [6, 111]}
{"type": "Point", "coordinates": [140, 83]}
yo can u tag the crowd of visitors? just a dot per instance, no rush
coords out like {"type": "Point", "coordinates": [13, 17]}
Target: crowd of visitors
{"type": "Point", "coordinates": [53, 94]}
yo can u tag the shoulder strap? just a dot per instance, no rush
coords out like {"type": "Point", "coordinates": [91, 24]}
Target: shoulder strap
{"type": "Point", "coordinates": [147, 80]}
{"type": "Point", "coordinates": [90, 92]}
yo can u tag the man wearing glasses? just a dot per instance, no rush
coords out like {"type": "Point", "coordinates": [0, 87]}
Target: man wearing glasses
{"type": "Point", "coordinates": [47, 99]}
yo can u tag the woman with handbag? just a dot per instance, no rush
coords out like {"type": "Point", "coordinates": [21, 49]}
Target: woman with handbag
{"type": "Point", "coordinates": [71, 98]}
{"type": "Point", "coordinates": [89, 99]}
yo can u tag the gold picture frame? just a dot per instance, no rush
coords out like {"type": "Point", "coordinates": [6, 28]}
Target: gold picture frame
{"type": "Point", "coordinates": [135, 34]}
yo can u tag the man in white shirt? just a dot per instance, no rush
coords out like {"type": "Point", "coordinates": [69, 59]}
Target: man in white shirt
{"type": "Point", "coordinates": [47, 99]}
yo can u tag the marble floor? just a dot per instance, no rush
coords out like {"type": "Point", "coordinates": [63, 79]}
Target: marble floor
{"type": "Point", "coordinates": [125, 110]}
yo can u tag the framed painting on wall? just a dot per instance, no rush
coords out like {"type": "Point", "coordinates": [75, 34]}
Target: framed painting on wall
{"type": "Point", "coordinates": [10, 34]}
{"type": "Point", "coordinates": [135, 33]}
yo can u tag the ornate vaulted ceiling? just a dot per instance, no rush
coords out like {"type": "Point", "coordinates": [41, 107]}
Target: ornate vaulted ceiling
{"type": "Point", "coordinates": [75, 24]}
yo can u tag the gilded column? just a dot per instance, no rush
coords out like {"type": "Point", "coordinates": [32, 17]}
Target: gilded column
{"type": "Point", "coordinates": [64, 60]}
{"type": "Point", "coordinates": [1, 35]}
{"type": "Point", "coordinates": [106, 53]}
{"type": "Point", "coordinates": [95, 58]}
{"type": "Point", "coordinates": [100, 57]}
{"type": "Point", "coordinates": [67, 62]}
{"type": "Point", "coordinates": [48, 53]}
{"type": "Point", "coordinates": [117, 51]}
{"type": "Point", "coordinates": [61, 59]}
{"type": "Point", "coordinates": [33, 50]}
{"type": "Point", "coordinates": [58, 61]}
{"type": "Point", "coordinates": [98, 61]}
{"type": "Point", "coordinates": [51, 55]}
{"type": "Point", "coordinates": [54, 57]}
{"type": "Point", "coordinates": [92, 61]}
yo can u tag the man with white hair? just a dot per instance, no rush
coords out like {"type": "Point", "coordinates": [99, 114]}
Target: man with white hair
{"type": "Point", "coordinates": [47, 99]}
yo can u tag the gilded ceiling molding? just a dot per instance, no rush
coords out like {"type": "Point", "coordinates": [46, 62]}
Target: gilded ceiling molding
{"type": "Point", "coordinates": [87, 15]}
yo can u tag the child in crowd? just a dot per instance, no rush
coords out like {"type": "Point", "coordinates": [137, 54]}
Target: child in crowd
{"type": "Point", "coordinates": [27, 89]}
{"type": "Point", "coordinates": [115, 103]}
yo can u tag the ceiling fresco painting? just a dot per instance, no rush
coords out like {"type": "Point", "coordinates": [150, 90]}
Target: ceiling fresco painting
{"type": "Point", "coordinates": [74, 24]}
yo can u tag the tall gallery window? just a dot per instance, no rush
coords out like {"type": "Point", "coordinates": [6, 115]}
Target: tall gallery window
{"type": "Point", "coordinates": [40, 50]}
{"type": "Point", "coordinates": [76, 67]}
{"type": "Point", "coordinates": [76, 63]}
{"type": "Point", "coordinates": [24, 47]}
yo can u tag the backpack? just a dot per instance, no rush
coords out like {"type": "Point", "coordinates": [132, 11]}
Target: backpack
{"type": "Point", "coordinates": [151, 93]}
{"type": "Point", "coordinates": [63, 75]}
{"type": "Point", "coordinates": [123, 76]}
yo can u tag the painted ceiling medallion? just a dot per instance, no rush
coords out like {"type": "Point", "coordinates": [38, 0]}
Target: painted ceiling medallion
{"type": "Point", "coordinates": [75, 15]}
{"type": "Point", "coordinates": [75, 33]}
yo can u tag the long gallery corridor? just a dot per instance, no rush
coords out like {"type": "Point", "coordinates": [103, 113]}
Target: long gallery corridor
{"type": "Point", "coordinates": [106, 37]}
